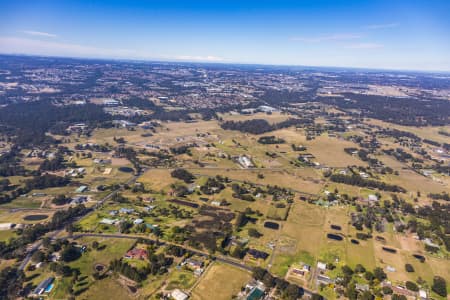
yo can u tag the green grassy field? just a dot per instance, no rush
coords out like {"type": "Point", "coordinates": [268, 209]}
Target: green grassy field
{"type": "Point", "coordinates": [5, 235]}
{"type": "Point", "coordinates": [23, 202]}
{"type": "Point", "coordinates": [114, 249]}
{"type": "Point", "coordinates": [111, 249]}
{"type": "Point", "coordinates": [182, 279]}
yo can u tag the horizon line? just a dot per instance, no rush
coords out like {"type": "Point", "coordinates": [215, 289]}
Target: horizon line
{"type": "Point", "coordinates": [175, 61]}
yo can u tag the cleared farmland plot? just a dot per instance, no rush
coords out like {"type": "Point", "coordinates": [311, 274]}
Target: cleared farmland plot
{"type": "Point", "coordinates": [220, 282]}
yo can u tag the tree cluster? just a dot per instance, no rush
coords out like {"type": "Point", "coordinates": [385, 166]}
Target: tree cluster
{"type": "Point", "coordinates": [357, 180]}
{"type": "Point", "coordinates": [183, 174]}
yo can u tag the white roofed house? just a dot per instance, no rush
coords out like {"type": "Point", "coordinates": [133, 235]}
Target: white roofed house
{"type": "Point", "coordinates": [245, 161]}
{"type": "Point", "coordinates": [362, 287]}
{"type": "Point", "coordinates": [363, 175]}
{"type": "Point", "coordinates": [79, 127]}
{"type": "Point", "coordinates": [177, 294]}
{"type": "Point", "coordinates": [124, 123]}
{"type": "Point", "coordinates": [321, 266]}
{"type": "Point", "coordinates": [101, 161]}
{"type": "Point", "coordinates": [108, 221]}
{"type": "Point", "coordinates": [266, 109]}
{"type": "Point", "coordinates": [423, 295]}
{"type": "Point", "coordinates": [138, 221]}
{"type": "Point", "coordinates": [79, 199]}
{"type": "Point", "coordinates": [81, 189]}
{"type": "Point", "coordinates": [324, 279]}
{"type": "Point", "coordinates": [372, 198]}
{"type": "Point", "coordinates": [110, 102]}
{"type": "Point", "coordinates": [124, 210]}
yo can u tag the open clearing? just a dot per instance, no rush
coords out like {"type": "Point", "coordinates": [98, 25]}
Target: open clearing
{"type": "Point", "coordinates": [18, 217]}
{"type": "Point", "coordinates": [220, 282]}
{"type": "Point", "coordinates": [182, 279]}
{"type": "Point", "coordinates": [157, 179]}
{"type": "Point", "coordinates": [5, 235]}
{"type": "Point", "coordinates": [303, 239]}
{"type": "Point", "coordinates": [302, 180]}
{"type": "Point", "coordinates": [109, 249]}
{"type": "Point", "coordinates": [272, 118]}
{"type": "Point", "coordinates": [328, 151]}
{"type": "Point", "coordinates": [300, 236]}
{"type": "Point", "coordinates": [429, 132]}
{"type": "Point", "coordinates": [106, 289]}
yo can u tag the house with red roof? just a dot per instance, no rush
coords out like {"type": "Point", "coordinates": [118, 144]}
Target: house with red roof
{"type": "Point", "coordinates": [137, 254]}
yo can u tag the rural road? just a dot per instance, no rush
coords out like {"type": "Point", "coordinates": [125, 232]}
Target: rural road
{"type": "Point", "coordinates": [219, 258]}
{"type": "Point", "coordinates": [53, 234]}
{"type": "Point", "coordinates": [34, 247]}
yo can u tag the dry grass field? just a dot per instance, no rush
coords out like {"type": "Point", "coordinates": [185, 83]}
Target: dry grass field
{"type": "Point", "coordinates": [301, 236]}
{"type": "Point", "coordinates": [428, 132]}
{"type": "Point", "coordinates": [414, 182]}
{"type": "Point", "coordinates": [17, 217]}
{"type": "Point", "coordinates": [4, 263]}
{"type": "Point", "coordinates": [406, 245]}
{"type": "Point", "coordinates": [157, 179]}
{"type": "Point", "coordinates": [178, 133]}
{"type": "Point", "coordinates": [103, 136]}
{"type": "Point", "coordinates": [302, 180]}
{"type": "Point", "coordinates": [220, 282]}
{"type": "Point", "coordinates": [106, 289]}
{"type": "Point", "coordinates": [272, 118]}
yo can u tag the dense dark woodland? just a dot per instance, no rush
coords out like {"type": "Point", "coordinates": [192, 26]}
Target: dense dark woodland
{"type": "Point", "coordinates": [29, 122]}
{"type": "Point", "coordinates": [404, 111]}
{"type": "Point", "coordinates": [258, 126]}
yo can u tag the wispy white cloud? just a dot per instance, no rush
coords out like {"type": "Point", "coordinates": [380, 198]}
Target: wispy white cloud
{"type": "Point", "coordinates": [382, 26]}
{"type": "Point", "coordinates": [39, 33]}
{"type": "Point", "coordinates": [364, 46]}
{"type": "Point", "coordinates": [45, 47]}
{"type": "Point", "coordinates": [18, 45]}
{"type": "Point", "coordinates": [197, 58]}
{"type": "Point", "coordinates": [325, 38]}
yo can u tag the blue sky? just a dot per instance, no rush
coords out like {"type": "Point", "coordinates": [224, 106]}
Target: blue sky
{"type": "Point", "coordinates": [392, 34]}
